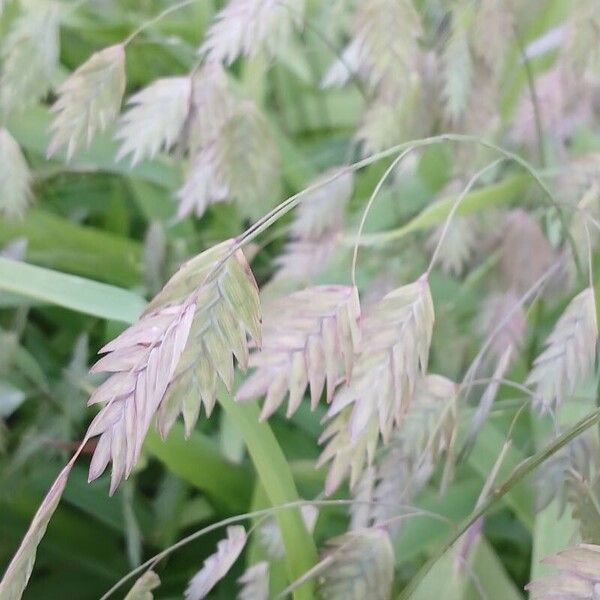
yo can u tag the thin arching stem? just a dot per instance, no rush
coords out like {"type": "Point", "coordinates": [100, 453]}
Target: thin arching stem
{"type": "Point", "coordinates": [159, 17]}
{"type": "Point", "coordinates": [287, 205]}
{"type": "Point", "coordinates": [535, 103]}
{"type": "Point", "coordinates": [369, 205]}
{"type": "Point", "coordinates": [266, 512]}
{"type": "Point", "coordinates": [455, 207]}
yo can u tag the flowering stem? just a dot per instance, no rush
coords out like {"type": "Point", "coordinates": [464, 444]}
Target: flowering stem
{"type": "Point", "coordinates": [276, 478]}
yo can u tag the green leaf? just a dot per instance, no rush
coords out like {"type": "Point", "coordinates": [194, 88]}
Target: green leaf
{"type": "Point", "coordinates": [30, 128]}
{"type": "Point", "coordinates": [82, 250]}
{"type": "Point", "coordinates": [505, 192]}
{"type": "Point", "coordinates": [483, 457]}
{"type": "Point", "coordinates": [197, 461]}
{"type": "Point", "coordinates": [276, 478]}
{"type": "Point", "coordinates": [70, 291]}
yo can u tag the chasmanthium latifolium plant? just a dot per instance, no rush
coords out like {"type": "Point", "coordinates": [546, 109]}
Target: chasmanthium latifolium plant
{"type": "Point", "coordinates": [427, 287]}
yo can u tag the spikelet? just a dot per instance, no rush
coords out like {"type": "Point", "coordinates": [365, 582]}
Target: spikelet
{"type": "Point", "coordinates": [563, 106]}
{"type": "Point", "coordinates": [526, 253]}
{"type": "Point", "coordinates": [577, 578]}
{"type": "Point", "coordinates": [217, 565]}
{"type": "Point", "coordinates": [142, 589]}
{"type": "Point", "coordinates": [488, 397]}
{"type": "Point", "coordinates": [316, 229]}
{"type": "Point", "coordinates": [270, 536]}
{"type": "Point", "coordinates": [204, 185]}
{"type": "Point", "coordinates": [89, 100]}
{"type": "Point", "coordinates": [428, 432]}
{"type": "Point", "coordinates": [212, 103]}
{"type": "Point", "coordinates": [503, 308]}
{"type": "Point", "coordinates": [395, 351]}
{"type": "Point", "coordinates": [19, 570]}
{"type": "Point", "coordinates": [361, 566]}
{"type": "Point", "coordinates": [227, 308]}
{"type": "Point", "coordinates": [391, 119]}
{"type": "Point", "coordinates": [245, 27]}
{"type": "Point", "coordinates": [155, 119]}
{"type": "Point", "coordinates": [303, 260]}
{"type": "Point", "coordinates": [460, 244]}
{"type": "Point", "coordinates": [15, 178]}
{"type": "Point", "coordinates": [569, 354]}
{"type": "Point", "coordinates": [386, 36]}
{"type": "Point", "coordinates": [431, 421]}
{"type": "Point", "coordinates": [583, 233]}
{"type": "Point", "coordinates": [323, 209]}
{"type": "Point", "coordinates": [493, 31]}
{"type": "Point", "coordinates": [143, 359]}
{"type": "Point", "coordinates": [30, 54]}
{"type": "Point", "coordinates": [457, 61]}
{"type": "Point", "coordinates": [553, 479]}
{"type": "Point", "coordinates": [309, 338]}
{"type": "Point", "coordinates": [255, 582]}
{"type": "Point", "coordinates": [247, 155]}
{"type": "Point", "coordinates": [580, 54]}
{"type": "Point", "coordinates": [170, 360]}
{"type": "Point", "coordinates": [362, 494]}
{"type": "Point", "coordinates": [344, 68]}
{"type": "Point", "coordinates": [348, 455]}
{"type": "Point", "coordinates": [584, 496]}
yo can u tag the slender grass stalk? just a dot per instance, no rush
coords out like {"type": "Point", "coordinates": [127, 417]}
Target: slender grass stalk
{"type": "Point", "coordinates": [278, 482]}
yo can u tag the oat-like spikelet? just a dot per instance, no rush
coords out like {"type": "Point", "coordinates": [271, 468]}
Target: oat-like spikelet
{"type": "Point", "coordinates": [143, 360]}
{"type": "Point", "coordinates": [569, 354]}
{"type": "Point", "coordinates": [89, 100]}
{"type": "Point", "coordinates": [244, 27]}
{"type": "Point", "coordinates": [394, 353]}
{"type": "Point", "coordinates": [212, 103]}
{"type": "Point", "coordinates": [241, 163]}
{"type": "Point", "coordinates": [503, 307]}
{"type": "Point", "coordinates": [323, 209]}
{"type": "Point", "coordinates": [363, 494]}
{"type": "Point", "coordinates": [578, 576]}
{"type": "Point", "coordinates": [394, 117]}
{"type": "Point", "coordinates": [385, 41]}
{"type": "Point", "coordinates": [526, 253]}
{"type": "Point", "coordinates": [270, 536]}
{"type": "Point", "coordinates": [155, 118]}
{"type": "Point", "coordinates": [16, 576]}
{"type": "Point", "coordinates": [493, 31]}
{"type": "Point", "coordinates": [169, 361]}
{"type": "Point", "coordinates": [428, 432]}
{"type": "Point", "coordinates": [30, 52]}
{"type": "Point", "coordinates": [15, 178]}
{"type": "Point", "coordinates": [303, 260]}
{"type": "Point", "coordinates": [348, 455]}
{"type": "Point", "coordinates": [248, 156]}
{"type": "Point", "coordinates": [255, 582]}
{"type": "Point", "coordinates": [554, 477]}
{"type": "Point", "coordinates": [316, 228]}
{"type": "Point", "coordinates": [204, 185]}
{"type": "Point", "coordinates": [142, 588]}
{"type": "Point", "coordinates": [457, 60]}
{"type": "Point", "coordinates": [309, 338]}
{"type": "Point", "coordinates": [217, 565]}
{"type": "Point", "coordinates": [584, 235]}
{"type": "Point", "coordinates": [361, 566]}
{"type": "Point", "coordinates": [460, 242]}
{"type": "Point", "coordinates": [580, 54]}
